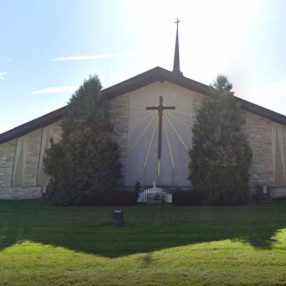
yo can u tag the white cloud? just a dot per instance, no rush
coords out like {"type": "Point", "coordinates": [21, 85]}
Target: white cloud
{"type": "Point", "coordinates": [8, 60]}
{"type": "Point", "coordinates": [69, 88]}
{"type": "Point", "coordinates": [80, 58]}
{"type": "Point", "coordinates": [3, 74]}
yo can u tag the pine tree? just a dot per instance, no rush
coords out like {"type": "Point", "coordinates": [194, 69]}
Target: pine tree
{"type": "Point", "coordinates": [220, 155]}
{"type": "Point", "coordinates": [86, 161]}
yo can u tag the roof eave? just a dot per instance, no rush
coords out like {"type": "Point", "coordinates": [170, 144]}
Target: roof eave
{"type": "Point", "coordinates": [141, 80]}
{"type": "Point", "coordinates": [32, 125]}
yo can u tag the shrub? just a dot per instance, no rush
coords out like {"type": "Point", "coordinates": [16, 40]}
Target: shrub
{"type": "Point", "coordinates": [187, 198]}
{"type": "Point", "coordinates": [86, 161]}
{"type": "Point", "coordinates": [220, 155]}
{"type": "Point", "coordinates": [112, 198]}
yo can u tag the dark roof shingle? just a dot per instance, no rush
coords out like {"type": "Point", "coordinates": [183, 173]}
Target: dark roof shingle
{"type": "Point", "coordinates": [148, 77]}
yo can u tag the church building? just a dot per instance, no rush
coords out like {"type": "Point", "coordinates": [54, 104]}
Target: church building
{"type": "Point", "coordinates": [152, 115]}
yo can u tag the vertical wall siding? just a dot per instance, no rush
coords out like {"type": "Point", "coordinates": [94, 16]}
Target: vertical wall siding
{"type": "Point", "coordinates": [259, 132]}
{"type": "Point", "coordinates": [7, 156]}
{"type": "Point", "coordinates": [21, 163]}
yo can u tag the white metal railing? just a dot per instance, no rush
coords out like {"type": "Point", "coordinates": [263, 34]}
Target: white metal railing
{"type": "Point", "coordinates": [143, 196]}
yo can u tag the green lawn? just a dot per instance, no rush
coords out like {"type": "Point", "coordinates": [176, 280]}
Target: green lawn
{"type": "Point", "coordinates": [158, 245]}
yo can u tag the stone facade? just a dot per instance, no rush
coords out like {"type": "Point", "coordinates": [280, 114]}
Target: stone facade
{"type": "Point", "coordinates": [267, 140]}
{"type": "Point", "coordinates": [21, 159]}
{"type": "Point", "coordinates": [7, 155]}
{"type": "Point", "coordinates": [258, 130]}
{"type": "Point", "coordinates": [21, 169]}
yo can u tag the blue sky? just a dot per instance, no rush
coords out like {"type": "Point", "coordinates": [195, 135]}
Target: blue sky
{"type": "Point", "coordinates": [49, 47]}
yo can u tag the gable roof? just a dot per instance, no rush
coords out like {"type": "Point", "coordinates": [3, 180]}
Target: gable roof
{"type": "Point", "coordinates": [143, 79]}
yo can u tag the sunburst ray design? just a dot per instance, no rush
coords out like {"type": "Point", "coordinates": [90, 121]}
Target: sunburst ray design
{"type": "Point", "coordinates": [140, 113]}
{"type": "Point", "coordinates": [141, 135]}
{"type": "Point", "coordinates": [169, 144]}
{"type": "Point", "coordinates": [148, 98]}
{"type": "Point", "coordinates": [169, 96]}
{"type": "Point", "coordinates": [141, 121]}
{"type": "Point", "coordinates": [172, 94]}
{"type": "Point", "coordinates": [150, 144]}
{"type": "Point", "coordinates": [142, 99]}
{"type": "Point", "coordinates": [146, 101]}
{"type": "Point", "coordinates": [172, 120]}
{"type": "Point", "coordinates": [183, 113]}
{"type": "Point", "coordinates": [182, 107]}
{"type": "Point", "coordinates": [180, 121]}
{"type": "Point", "coordinates": [177, 133]}
{"type": "Point", "coordinates": [177, 99]}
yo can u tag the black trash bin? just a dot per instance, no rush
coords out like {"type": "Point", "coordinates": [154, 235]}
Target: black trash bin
{"type": "Point", "coordinates": [118, 215]}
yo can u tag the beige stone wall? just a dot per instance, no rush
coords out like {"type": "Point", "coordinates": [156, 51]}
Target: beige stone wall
{"type": "Point", "coordinates": [21, 192]}
{"type": "Point", "coordinates": [21, 165]}
{"type": "Point", "coordinates": [277, 192]}
{"type": "Point", "coordinates": [21, 160]}
{"type": "Point", "coordinates": [32, 152]}
{"type": "Point", "coordinates": [7, 155]}
{"type": "Point", "coordinates": [267, 140]}
{"type": "Point", "coordinates": [258, 130]}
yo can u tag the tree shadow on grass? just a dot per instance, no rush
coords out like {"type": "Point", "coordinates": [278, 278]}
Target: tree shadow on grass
{"type": "Point", "coordinates": [146, 228]}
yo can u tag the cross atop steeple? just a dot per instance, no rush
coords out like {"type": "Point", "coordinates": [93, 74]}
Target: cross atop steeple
{"type": "Point", "coordinates": [176, 67]}
{"type": "Point", "coordinates": [177, 22]}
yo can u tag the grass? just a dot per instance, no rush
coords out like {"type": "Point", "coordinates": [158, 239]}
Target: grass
{"type": "Point", "coordinates": [157, 245]}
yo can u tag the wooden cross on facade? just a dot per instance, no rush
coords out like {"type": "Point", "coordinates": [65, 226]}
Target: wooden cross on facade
{"type": "Point", "coordinates": [160, 108]}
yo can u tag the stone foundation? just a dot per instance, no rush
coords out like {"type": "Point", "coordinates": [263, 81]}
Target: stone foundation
{"type": "Point", "coordinates": [278, 192]}
{"type": "Point", "coordinates": [22, 193]}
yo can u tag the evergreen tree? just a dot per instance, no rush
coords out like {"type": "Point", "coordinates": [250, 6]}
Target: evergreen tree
{"type": "Point", "coordinates": [86, 161]}
{"type": "Point", "coordinates": [220, 155]}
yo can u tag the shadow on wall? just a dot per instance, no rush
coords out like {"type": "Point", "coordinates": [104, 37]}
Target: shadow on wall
{"type": "Point", "coordinates": [145, 229]}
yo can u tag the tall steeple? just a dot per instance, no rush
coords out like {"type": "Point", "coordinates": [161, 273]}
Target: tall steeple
{"type": "Point", "coordinates": [176, 67]}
